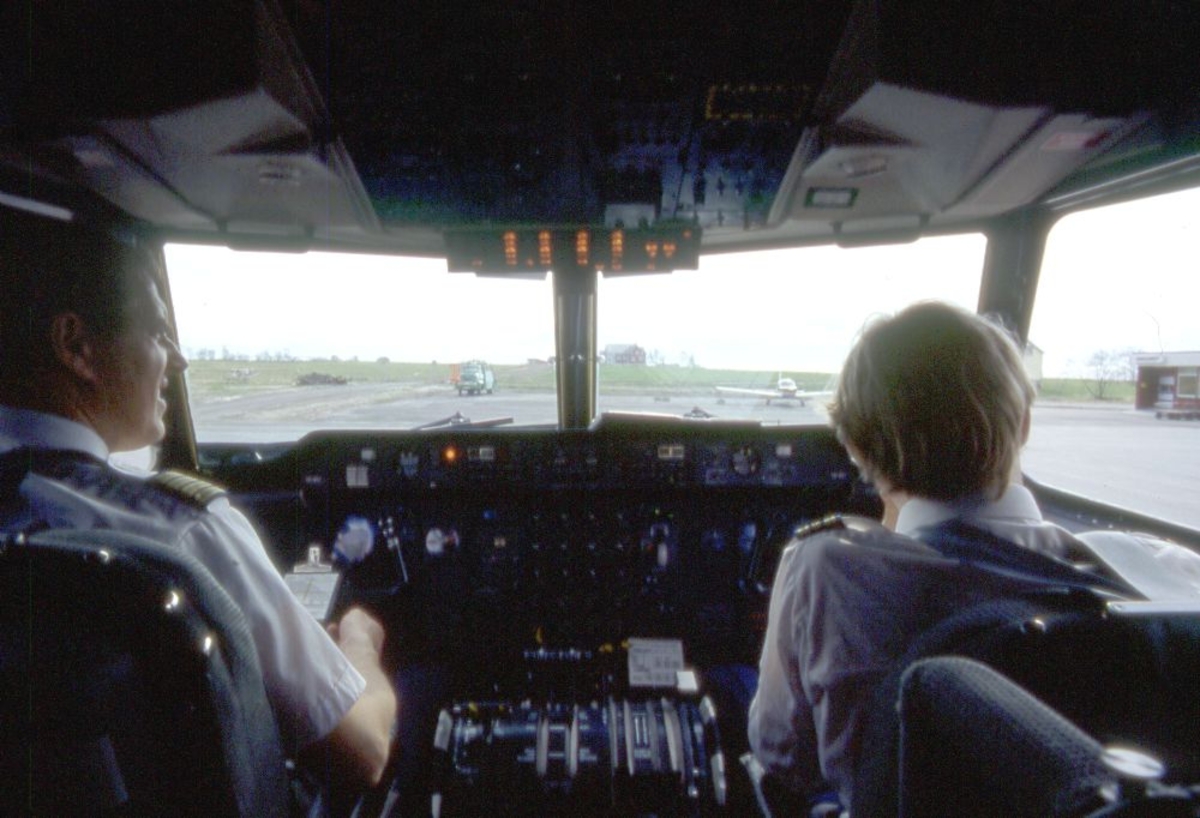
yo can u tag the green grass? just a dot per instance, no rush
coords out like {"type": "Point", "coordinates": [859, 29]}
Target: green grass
{"type": "Point", "coordinates": [239, 377]}
{"type": "Point", "coordinates": [1079, 389]}
{"type": "Point", "coordinates": [242, 377]}
{"type": "Point", "coordinates": [235, 377]}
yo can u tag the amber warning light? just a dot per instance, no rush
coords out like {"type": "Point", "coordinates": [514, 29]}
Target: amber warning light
{"type": "Point", "coordinates": [617, 250]}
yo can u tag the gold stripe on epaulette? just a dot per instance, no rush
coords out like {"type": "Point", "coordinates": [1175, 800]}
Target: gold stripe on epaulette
{"type": "Point", "coordinates": [830, 522]}
{"type": "Point", "coordinates": [194, 490]}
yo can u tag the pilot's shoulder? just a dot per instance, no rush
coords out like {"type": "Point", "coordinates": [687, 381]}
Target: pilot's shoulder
{"type": "Point", "coordinates": [182, 486]}
{"type": "Point", "coordinates": [850, 526]}
{"type": "Point", "coordinates": [847, 537]}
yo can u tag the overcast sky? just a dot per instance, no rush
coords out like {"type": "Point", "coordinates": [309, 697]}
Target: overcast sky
{"type": "Point", "coordinates": [795, 310]}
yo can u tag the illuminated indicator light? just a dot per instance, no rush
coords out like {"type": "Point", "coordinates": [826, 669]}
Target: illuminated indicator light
{"type": "Point", "coordinates": [783, 449]}
{"type": "Point", "coordinates": [544, 248]}
{"type": "Point", "coordinates": [510, 248]}
{"type": "Point", "coordinates": [670, 451]}
{"type": "Point", "coordinates": [499, 541]}
{"type": "Point", "coordinates": [669, 249]}
{"type": "Point", "coordinates": [482, 454]}
{"type": "Point", "coordinates": [617, 242]}
{"type": "Point", "coordinates": [652, 249]}
{"type": "Point", "coordinates": [581, 248]}
{"type": "Point", "coordinates": [449, 454]}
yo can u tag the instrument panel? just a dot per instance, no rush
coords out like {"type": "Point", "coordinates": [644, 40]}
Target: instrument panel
{"type": "Point", "coordinates": [529, 581]}
{"type": "Point", "coordinates": [537, 554]}
{"type": "Point", "coordinates": [351, 461]}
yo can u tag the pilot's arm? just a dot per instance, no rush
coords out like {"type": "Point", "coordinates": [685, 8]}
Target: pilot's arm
{"type": "Point", "coordinates": [781, 730]}
{"type": "Point", "coordinates": [362, 739]}
{"type": "Point", "coordinates": [330, 696]}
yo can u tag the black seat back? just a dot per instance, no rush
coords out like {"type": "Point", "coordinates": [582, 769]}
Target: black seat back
{"type": "Point", "coordinates": [975, 743]}
{"type": "Point", "coordinates": [972, 742]}
{"type": "Point", "coordinates": [1121, 678]}
{"type": "Point", "coordinates": [128, 685]}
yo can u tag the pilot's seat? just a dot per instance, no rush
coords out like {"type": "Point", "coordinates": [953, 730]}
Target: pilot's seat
{"type": "Point", "coordinates": [1018, 728]}
{"type": "Point", "coordinates": [128, 685]}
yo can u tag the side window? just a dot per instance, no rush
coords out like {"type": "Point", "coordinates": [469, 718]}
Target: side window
{"type": "Point", "coordinates": [1187, 385]}
{"type": "Point", "coordinates": [1114, 323]}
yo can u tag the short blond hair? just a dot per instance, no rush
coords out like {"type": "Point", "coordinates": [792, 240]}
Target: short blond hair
{"type": "Point", "coordinates": [935, 400]}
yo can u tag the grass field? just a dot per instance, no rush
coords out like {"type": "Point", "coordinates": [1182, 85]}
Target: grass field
{"type": "Point", "coordinates": [230, 377]}
{"type": "Point", "coordinates": [240, 377]}
{"type": "Point", "coordinates": [1078, 389]}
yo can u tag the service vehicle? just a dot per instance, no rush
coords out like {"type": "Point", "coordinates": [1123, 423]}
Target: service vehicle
{"type": "Point", "coordinates": [475, 377]}
{"type": "Point", "coordinates": [576, 592]}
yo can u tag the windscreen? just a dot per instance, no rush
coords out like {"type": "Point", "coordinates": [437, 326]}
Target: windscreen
{"type": "Point", "coordinates": [762, 335]}
{"type": "Point", "coordinates": [280, 345]}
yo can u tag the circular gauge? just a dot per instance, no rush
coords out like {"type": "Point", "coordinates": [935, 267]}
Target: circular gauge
{"type": "Point", "coordinates": [746, 461]}
{"type": "Point", "coordinates": [438, 541]}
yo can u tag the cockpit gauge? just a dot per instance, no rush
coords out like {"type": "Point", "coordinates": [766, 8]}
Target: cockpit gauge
{"type": "Point", "coordinates": [746, 461]}
{"type": "Point", "coordinates": [440, 540]}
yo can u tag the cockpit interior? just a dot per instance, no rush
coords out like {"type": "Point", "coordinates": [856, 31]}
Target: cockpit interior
{"type": "Point", "coordinates": [575, 604]}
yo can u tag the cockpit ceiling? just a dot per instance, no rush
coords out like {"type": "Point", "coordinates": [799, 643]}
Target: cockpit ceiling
{"type": "Point", "coordinates": [377, 124]}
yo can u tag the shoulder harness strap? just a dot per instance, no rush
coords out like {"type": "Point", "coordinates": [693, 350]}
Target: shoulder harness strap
{"type": "Point", "coordinates": [956, 539]}
{"type": "Point", "coordinates": [191, 489]}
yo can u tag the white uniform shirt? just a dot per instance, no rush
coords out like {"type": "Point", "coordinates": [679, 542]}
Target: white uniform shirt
{"type": "Point", "coordinates": [309, 682]}
{"type": "Point", "coordinates": [844, 607]}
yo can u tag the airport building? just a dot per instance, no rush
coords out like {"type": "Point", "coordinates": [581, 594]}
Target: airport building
{"type": "Point", "coordinates": [1168, 382]}
{"type": "Point", "coordinates": [624, 354]}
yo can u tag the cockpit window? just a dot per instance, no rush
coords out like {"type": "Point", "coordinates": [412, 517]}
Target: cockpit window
{"type": "Point", "coordinates": [280, 345]}
{"type": "Point", "coordinates": [1117, 348]}
{"type": "Point", "coordinates": [763, 335]}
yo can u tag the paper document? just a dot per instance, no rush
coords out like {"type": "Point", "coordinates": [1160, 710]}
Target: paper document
{"type": "Point", "coordinates": [315, 591]}
{"type": "Point", "coordinates": [654, 662]}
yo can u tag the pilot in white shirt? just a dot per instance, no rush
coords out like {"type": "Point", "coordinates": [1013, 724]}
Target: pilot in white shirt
{"type": "Point", "coordinates": [310, 683]}
{"type": "Point", "coordinates": [86, 356]}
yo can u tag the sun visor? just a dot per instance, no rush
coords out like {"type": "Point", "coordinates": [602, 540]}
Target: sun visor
{"type": "Point", "coordinates": [906, 124]}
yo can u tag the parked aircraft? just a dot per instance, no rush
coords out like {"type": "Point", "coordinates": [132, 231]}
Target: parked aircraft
{"type": "Point", "coordinates": [785, 389]}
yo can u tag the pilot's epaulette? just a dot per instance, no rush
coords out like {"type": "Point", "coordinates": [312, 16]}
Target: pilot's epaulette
{"type": "Point", "coordinates": [187, 487]}
{"type": "Point", "coordinates": [837, 522]}
{"type": "Point", "coordinates": [830, 522]}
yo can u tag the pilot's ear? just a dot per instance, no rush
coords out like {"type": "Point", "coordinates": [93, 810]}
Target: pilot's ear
{"type": "Point", "coordinates": [74, 346]}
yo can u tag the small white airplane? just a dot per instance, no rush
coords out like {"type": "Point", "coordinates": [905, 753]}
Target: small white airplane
{"type": "Point", "coordinates": [785, 389]}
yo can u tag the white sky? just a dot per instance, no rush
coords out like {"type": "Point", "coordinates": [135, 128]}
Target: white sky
{"type": "Point", "coordinates": [796, 310]}
{"type": "Point", "coordinates": [1126, 276]}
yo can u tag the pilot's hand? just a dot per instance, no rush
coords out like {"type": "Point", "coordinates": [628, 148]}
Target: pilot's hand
{"type": "Point", "coordinates": [357, 630]}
